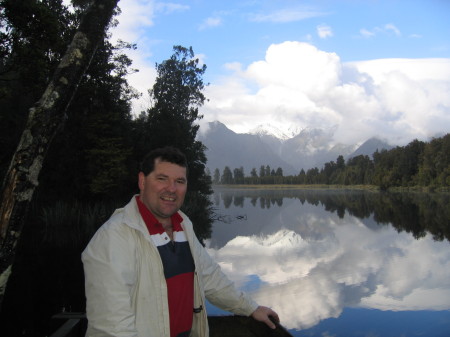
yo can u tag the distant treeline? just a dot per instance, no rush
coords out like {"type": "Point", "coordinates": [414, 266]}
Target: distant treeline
{"type": "Point", "coordinates": [424, 164]}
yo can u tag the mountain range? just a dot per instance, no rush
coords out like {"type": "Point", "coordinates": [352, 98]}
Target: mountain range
{"type": "Point", "coordinates": [292, 150]}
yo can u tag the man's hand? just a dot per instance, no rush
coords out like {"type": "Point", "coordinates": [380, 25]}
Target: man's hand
{"type": "Point", "coordinates": [263, 314]}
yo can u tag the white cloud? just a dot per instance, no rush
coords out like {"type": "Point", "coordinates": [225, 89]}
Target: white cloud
{"type": "Point", "coordinates": [286, 15]}
{"type": "Point", "coordinates": [388, 29]}
{"type": "Point", "coordinates": [137, 16]}
{"type": "Point", "coordinates": [324, 31]}
{"type": "Point", "coordinates": [298, 84]}
{"type": "Point", "coordinates": [365, 33]}
{"type": "Point", "coordinates": [168, 7]}
{"type": "Point", "coordinates": [211, 22]}
{"type": "Point", "coordinates": [432, 69]}
{"type": "Point", "coordinates": [418, 299]}
{"type": "Point", "coordinates": [392, 28]}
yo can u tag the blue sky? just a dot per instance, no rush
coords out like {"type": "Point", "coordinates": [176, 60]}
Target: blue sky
{"type": "Point", "coordinates": [304, 64]}
{"type": "Point", "coordinates": [229, 31]}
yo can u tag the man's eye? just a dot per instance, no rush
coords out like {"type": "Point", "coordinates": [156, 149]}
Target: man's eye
{"type": "Point", "coordinates": [181, 181]}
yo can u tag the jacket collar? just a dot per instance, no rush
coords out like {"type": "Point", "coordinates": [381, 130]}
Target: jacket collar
{"type": "Point", "coordinates": [133, 218]}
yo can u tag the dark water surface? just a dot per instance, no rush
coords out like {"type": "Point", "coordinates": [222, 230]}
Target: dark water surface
{"type": "Point", "coordinates": [339, 263]}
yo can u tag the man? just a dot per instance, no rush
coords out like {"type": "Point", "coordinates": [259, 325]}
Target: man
{"type": "Point", "coordinates": [147, 274]}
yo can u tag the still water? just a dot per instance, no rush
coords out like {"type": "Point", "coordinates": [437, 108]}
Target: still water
{"type": "Point", "coordinates": [339, 263]}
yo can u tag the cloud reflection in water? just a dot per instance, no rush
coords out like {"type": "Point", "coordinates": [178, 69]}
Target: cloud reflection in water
{"type": "Point", "coordinates": [310, 264]}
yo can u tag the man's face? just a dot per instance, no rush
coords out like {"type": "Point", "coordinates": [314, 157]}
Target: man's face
{"type": "Point", "coordinates": [163, 190]}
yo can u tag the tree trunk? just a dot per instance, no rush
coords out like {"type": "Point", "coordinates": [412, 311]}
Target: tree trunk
{"type": "Point", "coordinates": [44, 120]}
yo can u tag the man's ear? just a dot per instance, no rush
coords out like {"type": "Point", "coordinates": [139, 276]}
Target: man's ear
{"type": "Point", "coordinates": [141, 180]}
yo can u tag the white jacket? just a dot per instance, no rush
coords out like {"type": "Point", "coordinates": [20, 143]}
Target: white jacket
{"type": "Point", "coordinates": [125, 286]}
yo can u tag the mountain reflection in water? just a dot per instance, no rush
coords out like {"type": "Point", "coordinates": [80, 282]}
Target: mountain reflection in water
{"type": "Point", "coordinates": [313, 255]}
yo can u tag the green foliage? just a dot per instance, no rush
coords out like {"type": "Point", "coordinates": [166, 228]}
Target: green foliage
{"type": "Point", "coordinates": [227, 176]}
{"type": "Point", "coordinates": [435, 168]}
{"type": "Point", "coordinates": [176, 96]}
{"type": "Point", "coordinates": [200, 211]}
{"type": "Point", "coordinates": [262, 171]}
{"type": "Point", "coordinates": [416, 164]}
{"type": "Point", "coordinates": [92, 156]}
{"type": "Point", "coordinates": [33, 36]}
{"type": "Point", "coordinates": [216, 178]}
{"type": "Point", "coordinates": [70, 225]}
{"type": "Point", "coordinates": [279, 172]}
{"type": "Point", "coordinates": [238, 175]}
{"type": "Point", "coordinates": [89, 158]}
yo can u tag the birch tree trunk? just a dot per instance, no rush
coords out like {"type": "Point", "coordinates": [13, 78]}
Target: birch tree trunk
{"type": "Point", "coordinates": [44, 120]}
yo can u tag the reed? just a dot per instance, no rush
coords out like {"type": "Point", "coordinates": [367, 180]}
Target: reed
{"type": "Point", "coordinates": [72, 224]}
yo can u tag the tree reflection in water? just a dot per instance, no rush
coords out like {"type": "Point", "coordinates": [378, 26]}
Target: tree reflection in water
{"type": "Point", "coordinates": [313, 254]}
{"type": "Point", "coordinates": [415, 213]}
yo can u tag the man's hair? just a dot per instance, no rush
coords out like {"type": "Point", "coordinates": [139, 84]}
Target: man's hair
{"type": "Point", "coordinates": [168, 154]}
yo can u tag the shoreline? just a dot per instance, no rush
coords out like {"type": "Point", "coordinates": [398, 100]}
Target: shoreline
{"type": "Point", "coordinates": [370, 188]}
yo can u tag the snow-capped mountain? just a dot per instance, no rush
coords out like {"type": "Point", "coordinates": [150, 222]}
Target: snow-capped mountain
{"type": "Point", "coordinates": [235, 150]}
{"type": "Point", "coordinates": [270, 131]}
{"type": "Point", "coordinates": [292, 150]}
{"type": "Point", "coordinates": [283, 239]}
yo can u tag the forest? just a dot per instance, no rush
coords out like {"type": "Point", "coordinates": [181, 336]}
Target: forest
{"type": "Point", "coordinates": [91, 164]}
{"type": "Point", "coordinates": [96, 153]}
{"type": "Point", "coordinates": [418, 164]}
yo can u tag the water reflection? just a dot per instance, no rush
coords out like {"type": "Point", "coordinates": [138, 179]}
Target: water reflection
{"type": "Point", "coordinates": [311, 254]}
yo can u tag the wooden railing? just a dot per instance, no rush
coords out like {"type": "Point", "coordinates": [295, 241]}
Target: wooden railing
{"type": "Point", "coordinates": [74, 324]}
{"type": "Point", "coordinates": [220, 326]}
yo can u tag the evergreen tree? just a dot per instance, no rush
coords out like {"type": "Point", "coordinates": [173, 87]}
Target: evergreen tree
{"type": "Point", "coordinates": [327, 172]}
{"type": "Point", "coordinates": [340, 162]}
{"type": "Point", "coordinates": [312, 175]}
{"type": "Point", "coordinates": [434, 169]}
{"type": "Point", "coordinates": [176, 96]}
{"type": "Point", "coordinates": [216, 178]}
{"type": "Point", "coordinates": [93, 154]}
{"type": "Point", "coordinates": [33, 36]}
{"type": "Point", "coordinates": [227, 176]}
{"type": "Point", "coordinates": [279, 172]}
{"type": "Point", "coordinates": [262, 171]}
{"type": "Point", "coordinates": [253, 177]}
{"type": "Point", "coordinates": [302, 177]}
{"type": "Point", "coordinates": [238, 175]}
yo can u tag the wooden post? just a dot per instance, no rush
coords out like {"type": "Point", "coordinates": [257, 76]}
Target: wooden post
{"type": "Point", "coordinates": [44, 120]}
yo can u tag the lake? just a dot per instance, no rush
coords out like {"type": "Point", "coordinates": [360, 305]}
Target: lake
{"type": "Point", "coordinates": [336, 262]}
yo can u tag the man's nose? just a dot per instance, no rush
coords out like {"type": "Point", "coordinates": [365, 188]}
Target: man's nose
{"type": "Point", "coordinates": [172, 186]}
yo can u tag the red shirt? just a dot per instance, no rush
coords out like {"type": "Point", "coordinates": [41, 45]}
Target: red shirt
{"type": "Point", "coordinates": [179, 269]}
